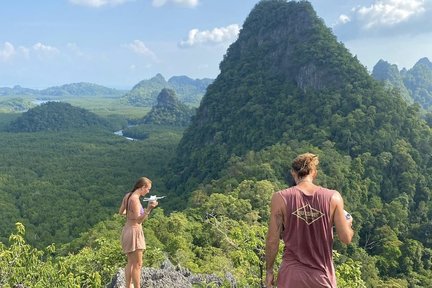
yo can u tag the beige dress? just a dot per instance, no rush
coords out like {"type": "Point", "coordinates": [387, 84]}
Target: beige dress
{"type": "Point", "coordinates": [132, 237]}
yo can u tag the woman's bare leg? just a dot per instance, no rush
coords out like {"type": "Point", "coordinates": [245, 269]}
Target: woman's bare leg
{"type": "Point", "coordinates": [128, 270]}
{"type": "Point", "coordinates": [136, 257]}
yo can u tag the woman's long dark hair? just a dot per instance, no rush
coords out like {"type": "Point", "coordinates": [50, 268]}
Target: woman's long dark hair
{"type": "Point", "coordinates": [141, 182]}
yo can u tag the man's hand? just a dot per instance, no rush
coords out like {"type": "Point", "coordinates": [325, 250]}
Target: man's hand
{"type": "Point", "coordinates": [269, 282]}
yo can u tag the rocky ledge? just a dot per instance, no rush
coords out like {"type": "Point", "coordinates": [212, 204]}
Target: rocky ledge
{"type": "Point", "coordinates": [170, 276]}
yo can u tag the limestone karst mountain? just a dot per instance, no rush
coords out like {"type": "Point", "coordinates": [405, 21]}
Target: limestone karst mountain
{"type": "Point", "coordinates": [390, 75]}
{"type": "Point", "coordinates": [287, 78]}
{"type": "Point", "coordinates": [414, 85]}
{"type": "Point", "coordinates": [418, 81]}
{"type": "Point", "coordinates": [189, 91]}
{"type": "Point", "coordinates": [168, 111]}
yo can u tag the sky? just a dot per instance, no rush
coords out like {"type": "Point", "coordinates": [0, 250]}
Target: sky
{"type": "Point", "coordinates": [117, 43]}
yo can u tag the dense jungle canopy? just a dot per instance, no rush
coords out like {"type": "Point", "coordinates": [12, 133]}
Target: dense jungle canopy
{"type": "Point", "coordinates": [286, 86]}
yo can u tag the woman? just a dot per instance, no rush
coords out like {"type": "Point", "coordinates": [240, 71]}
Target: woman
{"type": "Point", "coordinates": [303, 216]}
{"type": "Point", "coordinates": [132, 238]}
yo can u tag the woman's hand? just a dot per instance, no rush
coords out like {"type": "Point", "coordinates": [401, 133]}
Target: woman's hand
{"type": "Point", "coordinates": [152, 204]}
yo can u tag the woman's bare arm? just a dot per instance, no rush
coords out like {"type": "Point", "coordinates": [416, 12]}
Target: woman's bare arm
{"type": "Point", "coordinates": [122, 209]}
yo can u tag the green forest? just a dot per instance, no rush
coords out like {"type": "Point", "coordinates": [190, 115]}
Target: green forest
{"type": "Point", "coordinates": [286, 87]}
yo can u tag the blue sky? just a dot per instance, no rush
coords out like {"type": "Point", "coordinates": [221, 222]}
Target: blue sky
{"type": "Point", "coordinates": [117, 43]}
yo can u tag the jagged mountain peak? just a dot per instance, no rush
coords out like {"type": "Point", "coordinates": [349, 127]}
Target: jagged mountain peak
{"type": "Point", "coordinates": [390, 75]}
{"type": "Point", "coordinates": [425, 62]}
{"type": "Point", "coordinates": [285, 77]}
{"type": "Point", "coordinates": [304, 44]}
{"type": "Point", "coordinates": [158, 77]}
{"type": "Point", "coordinates": [414, 85]}
{"type": "Point", "coordinates": [383, 70]}
{"type": "Point", "coordinates": [284, 54]}
{"type": "Point", "coordinates": [169, 111]}
{"type": "Point", "coordinates": [167, 98]}
{"type": "Point", "coordinates": [189, 91]}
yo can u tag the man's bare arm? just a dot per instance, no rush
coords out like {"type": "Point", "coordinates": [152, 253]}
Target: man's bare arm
{"type": "Point", "coordinates": [274, 231]}
{"type": "Point", "coordinates": [343, 226]}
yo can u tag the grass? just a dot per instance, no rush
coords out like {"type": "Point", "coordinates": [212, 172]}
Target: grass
{"type": "Point", "coordinates": [105, 106]}
{"type": "Point", "coordinates": [100, 105]}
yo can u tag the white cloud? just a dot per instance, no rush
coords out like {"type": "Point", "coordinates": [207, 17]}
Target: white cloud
{"type": "Point", "coordinates": [343, 19]}
{"type": "Point", "coordinates": [97, 3]}
{"type": "Point", "coordinates": [7, 51]}
{"type": "Point", "coordinates": [386, 18]}
{"type": "Point", "coordinates": [389, 12]}
{"type": "Point", "coordinates": [187, 3]}
{"type": "Point", "coordinates": [215, 36]}
{"type": "Point", "coordinates": [47, 50]}
{"type": "Point", "coordinates": [140, 48]}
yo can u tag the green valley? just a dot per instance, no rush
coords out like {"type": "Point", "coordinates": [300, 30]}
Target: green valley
{"type": "Point", "coordinates": [286, 86]}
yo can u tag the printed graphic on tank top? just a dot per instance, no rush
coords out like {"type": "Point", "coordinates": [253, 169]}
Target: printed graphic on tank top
{"type": "Point", "coordinates": [308, 214]}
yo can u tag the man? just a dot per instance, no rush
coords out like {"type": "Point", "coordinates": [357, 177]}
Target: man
{"type": "Point", "coordinates": [303, 216]}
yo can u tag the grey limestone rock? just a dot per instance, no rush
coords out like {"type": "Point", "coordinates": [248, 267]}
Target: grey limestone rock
{"type": "Point", "coordinates": [170, 276]}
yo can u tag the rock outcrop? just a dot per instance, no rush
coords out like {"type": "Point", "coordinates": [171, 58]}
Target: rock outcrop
{"type": "Point", "coordinates": [170, 276]}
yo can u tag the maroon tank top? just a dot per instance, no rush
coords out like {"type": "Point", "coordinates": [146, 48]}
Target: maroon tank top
{"type": "Point", "coordinates": [308, 237]}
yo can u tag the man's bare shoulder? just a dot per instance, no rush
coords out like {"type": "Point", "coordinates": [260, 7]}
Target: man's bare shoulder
{"type": "Point", "coordinates": [286, 191]}
{"type": "Point", "coordinates": [278, 201]}
{"type": "Point", "coordinates": [336, 197]}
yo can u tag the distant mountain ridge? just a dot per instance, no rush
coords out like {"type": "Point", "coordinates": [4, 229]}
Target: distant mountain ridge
{"type": "Point", "coordinates": [82, 89]}
{"type": "Point", "coordinates": [415, 84]}
{"type": "Point", "coordinates": [188, 90]}
{"type": "Point", "coordinates": [17, 91]}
